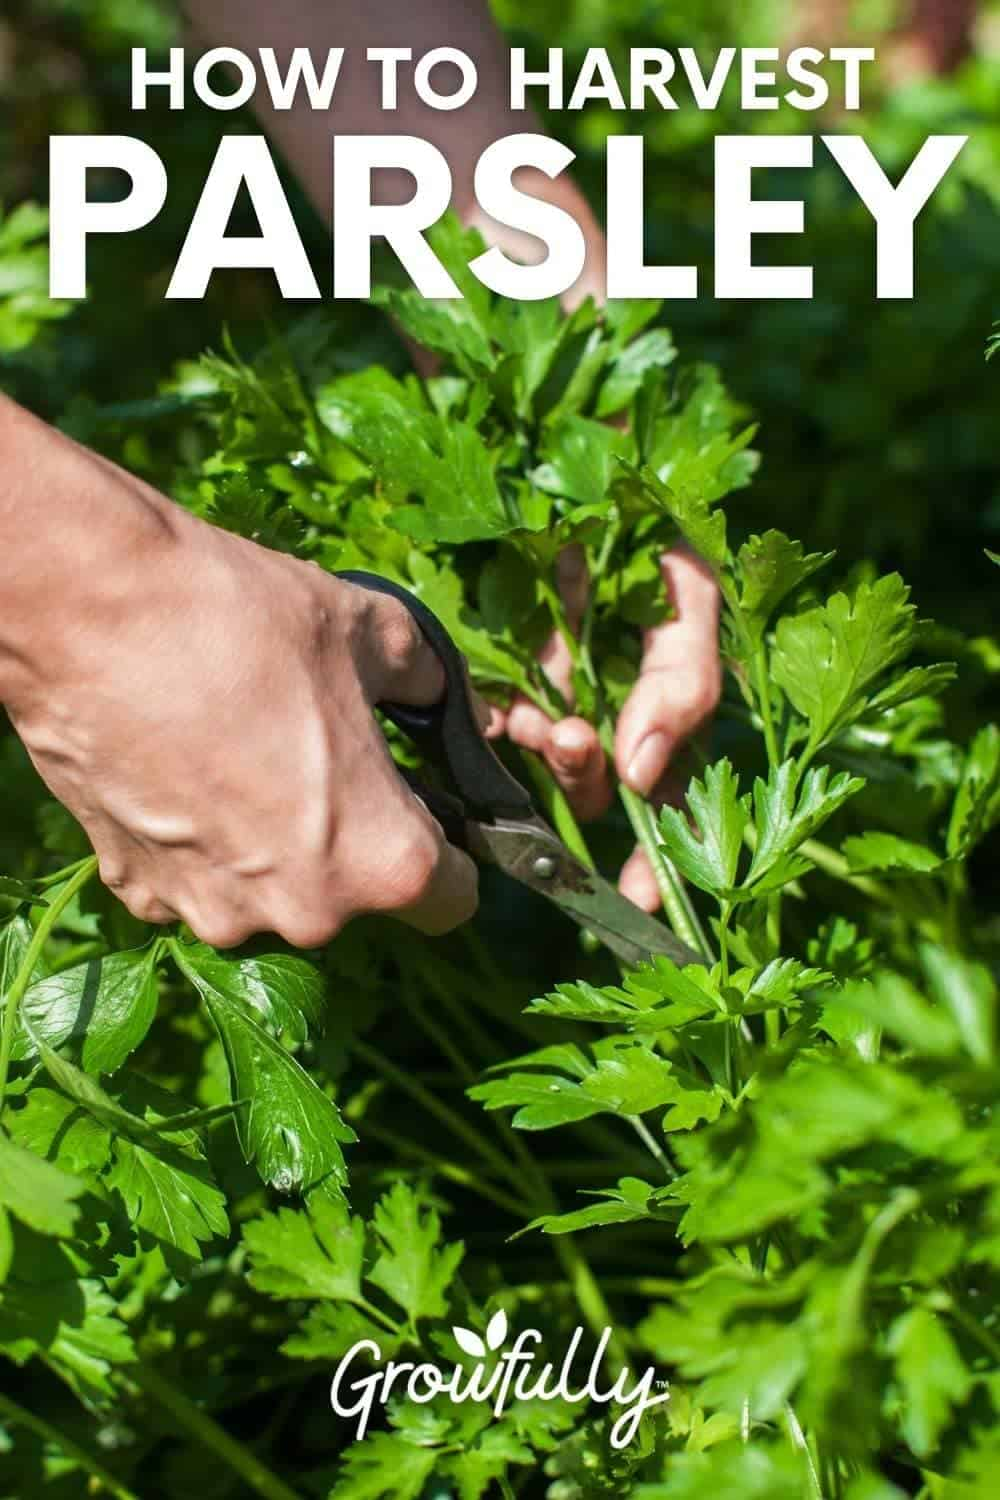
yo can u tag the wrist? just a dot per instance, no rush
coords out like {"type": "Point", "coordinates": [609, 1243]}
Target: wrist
{"type": "Point", "coordinates": [81, 542]}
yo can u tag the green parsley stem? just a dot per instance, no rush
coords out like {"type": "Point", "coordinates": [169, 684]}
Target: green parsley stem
{"type": "Point", "coordinates": [50, 916]}
{"type": "Point", "coordinates": [676, 903]}
{"type": "Point", "coordinates": [556, 807]}
{"type": "Point", "coordinates": [19, 1416]}
{"type": "Point", "coordinates": [645, 1135]}
{"type": "Point", "coordinates": [763, 692]}
{"type": "Point", "coordinates": [449, 1117]}
{"type": "Point", "coordinates": [801, 1442]}
{"type": "Point", "coordinates": [461, 1176]}
{"type": "Point", "coordinates": [46, 882]}
{"type": "Point", "coordinates": [205, 1430]}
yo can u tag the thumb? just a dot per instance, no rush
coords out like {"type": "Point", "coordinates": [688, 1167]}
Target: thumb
{"type": "Point", "coordinates": [680, 677]}
{"type": "Point", "coordinates": [395, 661]}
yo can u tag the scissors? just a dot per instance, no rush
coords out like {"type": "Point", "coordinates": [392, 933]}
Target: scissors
{"type": "Point", "coordinates": [488, 813]}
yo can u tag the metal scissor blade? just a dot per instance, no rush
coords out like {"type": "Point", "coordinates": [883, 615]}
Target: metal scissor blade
{"type": "Point", "coordinates": [531, 853]}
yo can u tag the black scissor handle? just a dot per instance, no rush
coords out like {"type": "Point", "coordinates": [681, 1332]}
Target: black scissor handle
{"type": "Point", "coordinates": [448, 733]}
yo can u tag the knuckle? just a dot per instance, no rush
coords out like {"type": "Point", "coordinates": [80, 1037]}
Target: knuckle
{"type": "Point", "coordinates": [410, 871]}
{"type": "Point", "coordinates": [707, 694]}
{"type": "Point", "coordinates": [527, 726]}
{"type": "Point", "coordinates": [305, 931]}
{"type": "Point", "coordinates": [698, 697]}
{"type": "Point", "coordinates": [142, 903]}
{"type": "Point", "coordinates": [398, 635]}
{"type": "Point", "coordinates": [220, 931]}
{"type": "Point", "coordinates": [112, 872]}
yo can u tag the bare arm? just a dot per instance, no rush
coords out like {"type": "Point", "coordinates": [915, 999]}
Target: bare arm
{"type": "Point", "coordinates": [462, 135]}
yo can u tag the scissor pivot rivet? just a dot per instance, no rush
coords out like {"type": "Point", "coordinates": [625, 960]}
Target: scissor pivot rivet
{"type": "Point", "coordinates": [544, 867]}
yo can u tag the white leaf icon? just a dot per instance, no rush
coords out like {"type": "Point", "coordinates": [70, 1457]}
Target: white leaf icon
{"type": "Point", "coordinates": [470, 1342]}
{"type": "Point", "coordinates": [496, 1329]}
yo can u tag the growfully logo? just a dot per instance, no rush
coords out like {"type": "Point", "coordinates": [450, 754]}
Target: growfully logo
{"type": "Point", "coordinates": [514, 1375]}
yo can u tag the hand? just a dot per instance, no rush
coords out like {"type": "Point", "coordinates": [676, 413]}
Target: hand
{"type": "Point", "coordinates": [680, 679]}
{"type": "Point", "coordinates": [676, 693]}
{"type": "Point", "coordinates": [204, 708]}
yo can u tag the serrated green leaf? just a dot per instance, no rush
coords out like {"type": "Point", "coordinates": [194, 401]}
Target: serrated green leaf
{"type": "Point", "coordinates": [384, 1465]}
{"type": "Point", "coordinates": [155, 1165]}
{"type": "Point", "coordinates": [654, 350]}
{"type": "Point", "coordinates": [701, 526]}
{"type": "Point", "coordinates": [458, 487]}
{"type": "Point", "coordinates": [779, 985]}
{"type": "Point", "coordinates": [169, 1194]}
{"type": "Point", "coordinates": [827, 660]}
{"type": "Point", "coordinates": [284, 990]}
{"type": "Point", "coordinates": [692, 447]}
{"type": "Point", "coordinates": [106, 1110]}
{"type": "Point", "coordinates": [87, 1092]}
{"type": "Point", "coordinates": [709, 857]}
{"type": "Point", "coordinates": [448, 326]}
{"type": "Point", "coordinates": [412, 1266]}
{"type": "Point", "coordinates": [763, 1371]}
{"type": "Point", "coordinates": [330, 1329]}
{"type": "Point", "coordinates": [289, 1128]}
{"type": "Point", "coordinates": [318, 1254]}
{"type": "Point", "coordinates": [459, 328]}
{"type": "Point", "coordinates": [770, 567]}
{"type": "Point", "coordinates": [104, 1007]}
{"type": "Point", "coordinates": [656, 997]}
{"type": "Point", "coordinates": [530, 335]}
{"type": "Point", "coordinates": [417, 454]}
{"type": "Point", "coordinates": [786, 813]}
{"type": "Point", "coordinates": [476, 1471]}
{"type": "Point", "coordinates": [578, 461]}
{"type": "Point", "coordinates": [574, 366]}
{"type": "Point", "coordinates": [623, 1077]}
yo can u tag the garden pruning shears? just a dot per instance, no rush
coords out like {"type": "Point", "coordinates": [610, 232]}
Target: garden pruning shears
{"type": "Point", "coordinates": [484, 810]}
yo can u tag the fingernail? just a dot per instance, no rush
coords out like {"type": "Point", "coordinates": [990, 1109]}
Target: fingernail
{"type": "Point", "coordinates": [570, 746]}
{"type": "Point", "coordinates": [648, 763]}
{"type": "Point", "coordinates": [570, 757]}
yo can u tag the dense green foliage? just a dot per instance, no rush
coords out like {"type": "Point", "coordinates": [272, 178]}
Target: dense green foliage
{"type": "Point", "coordinates": [775, 1173]}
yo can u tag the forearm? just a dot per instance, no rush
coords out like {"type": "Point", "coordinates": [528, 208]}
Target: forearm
{"type": "Point", "coordinates": [303, 134]}
{"type": "Point", "coordinates": [75, 534]}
